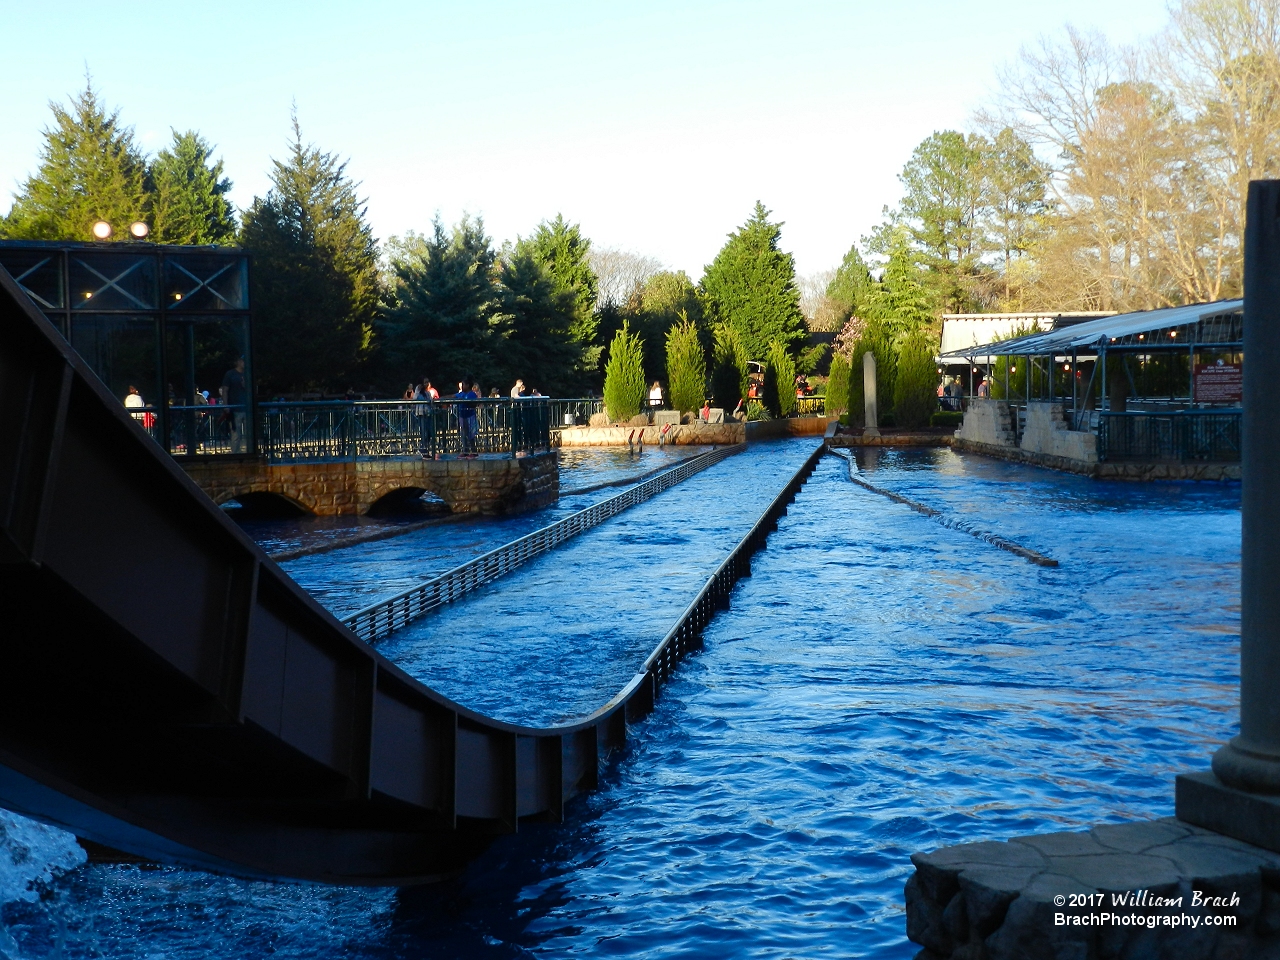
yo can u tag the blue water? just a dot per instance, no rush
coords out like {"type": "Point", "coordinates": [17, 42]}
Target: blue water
{"type": "Point", "coordinates": [880, 685]}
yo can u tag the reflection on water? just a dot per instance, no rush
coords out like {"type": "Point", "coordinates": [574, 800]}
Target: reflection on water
{"type": "Point", "coordinates": [880, 685]}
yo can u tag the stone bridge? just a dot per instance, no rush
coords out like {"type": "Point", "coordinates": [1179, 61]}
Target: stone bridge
{"type": "Point", "coordinates": [351, 487]}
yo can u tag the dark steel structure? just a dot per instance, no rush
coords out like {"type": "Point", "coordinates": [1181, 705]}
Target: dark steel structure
{"type": "Point", "coordinates": [168, 320]}
{"type": "Point", "coordinates": [167, 690]}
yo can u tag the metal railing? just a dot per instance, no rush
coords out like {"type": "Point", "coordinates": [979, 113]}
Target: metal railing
{"type": "Point", "coordinates": [289, 432]}
{"type": "Point", "coordinates": [1210, 435]}
{"type": "Point", "coordinates": [385, 617]}
{"type": "Point", "coordinates": [573, 412]}
{"type": "Point", "coordinates": [810, 406]}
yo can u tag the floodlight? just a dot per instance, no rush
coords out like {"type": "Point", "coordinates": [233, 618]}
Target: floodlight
{"type": "Point", "coordinates": [102, 229]}
{"type": "Point", "coordinates": [139, 230]}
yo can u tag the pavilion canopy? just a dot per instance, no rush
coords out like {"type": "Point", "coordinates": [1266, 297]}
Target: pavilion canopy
{"type": "Point", "coordinates": [1219, 324]}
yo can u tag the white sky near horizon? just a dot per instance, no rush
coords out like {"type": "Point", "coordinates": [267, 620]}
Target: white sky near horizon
{"type": "Point", "coordinates": [654, 125]}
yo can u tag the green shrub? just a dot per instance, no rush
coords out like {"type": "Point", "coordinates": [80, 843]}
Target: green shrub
{"type": "Point", "coordinates": [686, 367]}
{"type": "Point", "coordinates": [779, 393]}
{"type": "Point", "coordinates": [915, 390]}
{"type": "Point", "coordinates": [729, 368]}
{"type": "Point", "coordinates": [888, 420]}
{"type": "Point", "coordinates": [946, 418]}
{"type": "Point", "coordinates": [837, 392]}
{"type": "Point", "coordinates": [757, 411]}
{"type": "Point", "coordinates": [624, 387]}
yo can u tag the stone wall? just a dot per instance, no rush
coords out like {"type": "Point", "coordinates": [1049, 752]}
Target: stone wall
{"type": "Point", "coordinates": [1113, 892]}
{"type": "Point", "coordinates": [1046, 432]}
{"type": "Point", "coordinates": [719, 434]}
{"type": "Point", "coordinates": [786, 427]}
{"type": "Point", "coordinates": [988, 422]}
{"type": "Point", "coordinates": [484, 485]}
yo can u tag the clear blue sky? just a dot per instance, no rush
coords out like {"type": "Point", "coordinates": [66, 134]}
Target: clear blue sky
{"type": "Point", "coordinates": [654, 124]}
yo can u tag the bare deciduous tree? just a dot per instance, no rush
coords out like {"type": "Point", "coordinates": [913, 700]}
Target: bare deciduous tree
{"type": "Point", "coordinates": [621, 273]}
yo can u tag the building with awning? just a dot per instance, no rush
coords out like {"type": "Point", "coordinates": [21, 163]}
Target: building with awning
{"type": "Point", "coordinates": [1152, 386]}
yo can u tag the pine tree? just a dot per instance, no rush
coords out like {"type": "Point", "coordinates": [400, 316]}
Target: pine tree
{"type": "Point", "coordinates": [564, 251]}
{"type": "Point", "coordinates": [90, 169]}
{"type": "Point", "coordinates": [751, 285]}
{"type": "Point", "coordinates": [770, 396]}
{"type": "Point", "coordinates": [915, 387]}
{"type": "Point", "coordinates": [729, 371]}
{"type": "Point", "coordinates": [539, 345]}
{"type": "Point", "coordinates": [190, 203]}
{"type": "Point", "coordinates": [443, 316]}
{"type": "Point", "coordinates": [624, 384]}
{"type": "Point", "coordinates": [837, 399]}
{"type": "Point", "coordinates": [315, 277]}
{"type": "Point", "coordinates": [686, 367]}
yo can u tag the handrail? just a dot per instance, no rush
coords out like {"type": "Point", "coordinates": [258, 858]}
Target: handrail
{"type": "Point", "coordinates": [385, 617]}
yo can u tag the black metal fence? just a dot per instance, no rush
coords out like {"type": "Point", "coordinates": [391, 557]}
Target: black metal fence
{"type": "Point", "coordinates": [573, 412]}
{"type": "Point", "coordinates": [1178, 436]}
{"type": "Point", "coordinates": [433, 429]}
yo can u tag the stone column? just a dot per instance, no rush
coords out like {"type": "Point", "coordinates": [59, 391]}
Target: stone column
{"type": "Point", "coordinates": [1252, 760]}
{"type": "Point", "coordinates": [869, 395]}
{"type": "Point", "coordinates": [1241, 799]}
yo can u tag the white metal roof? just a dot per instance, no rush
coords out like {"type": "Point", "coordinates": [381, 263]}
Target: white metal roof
{"type": "Point", "coordinates": [1091, 333]}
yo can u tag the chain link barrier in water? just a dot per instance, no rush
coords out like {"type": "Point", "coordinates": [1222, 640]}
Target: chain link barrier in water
{"type": "Point", "coordinates": [951, 523]}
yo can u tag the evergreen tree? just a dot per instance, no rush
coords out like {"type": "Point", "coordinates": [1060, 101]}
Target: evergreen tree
{"type": "Point", "coordinates": [849, 289]}
{"type": "Point", "coordinates": [539, 345]}
{"type": "Point", "coordinates": [751, 285]}
{"type": "Point", "coordinates": [624, 384]}
{"type": "Point", "coordinates": [190, 201]}
{"type": "Point", "coordinates": [665, 300]}
{"type": "Point", "coordinates": [915, 386]}
{"type": "Point", "coordinates": [783, 366]}
{"type": "Point", "coordinates": [90, 169]}
{"type": "Point", "coordinates": [900, 301]}
{"type": "Point", "coordinates": [729, 371]}
{"type": "Point", "coordinates": [315, 277]}
{"type": "Point", "coordinates": [443, 316]}
{"type": "Point", "coordinates": [770, 397]}
{"type": "Point", "coordinates": [686, 367]}
{"type": "Point", "coordinates": [565, 252]}
{"type": "Point", "coordinates": [837, 400]}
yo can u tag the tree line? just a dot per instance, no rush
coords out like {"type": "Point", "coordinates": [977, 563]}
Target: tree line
{"type": "Point", "coordinates": [334, 309]}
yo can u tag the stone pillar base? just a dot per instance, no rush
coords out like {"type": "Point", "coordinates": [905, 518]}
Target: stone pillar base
{"type": "Point", "coordinates": [1203, 799]}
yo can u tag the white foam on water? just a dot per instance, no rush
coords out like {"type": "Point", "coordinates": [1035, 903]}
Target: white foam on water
{"type": "Point", "coordinates": [33, 855]}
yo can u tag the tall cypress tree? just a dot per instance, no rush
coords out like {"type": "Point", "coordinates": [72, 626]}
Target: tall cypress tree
{"type": "Point", "coordinates": [729, 368]}
{"type": "Point", "coordinates": [90, 169]}
{"type": "Point", "coordinates": [751, 285]}
{"type": "Point", "coordinates": [315, 277]}
{"type": "Point", "coordinates": [190, 203]}
{"type": "Point", "coordinates": [686, 367]}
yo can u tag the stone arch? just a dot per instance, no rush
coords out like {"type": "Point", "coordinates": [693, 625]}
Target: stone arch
{"type": "Point", "coordinates": [267, 497]}
{"type": "Point", "coordinates": [399, 494]}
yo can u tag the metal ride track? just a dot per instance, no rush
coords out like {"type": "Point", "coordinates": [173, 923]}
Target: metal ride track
{"type": "Point", "coordinates": [167, 690]}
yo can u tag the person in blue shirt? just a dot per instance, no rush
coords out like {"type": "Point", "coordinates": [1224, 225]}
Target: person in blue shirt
{"type": "Point", "coordinates": [467, 424]}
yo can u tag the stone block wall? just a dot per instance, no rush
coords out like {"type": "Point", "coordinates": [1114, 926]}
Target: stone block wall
{"type": "Point", "coordinates": [988, 422]}
{"type": "Point", "coordinates": [1046, 432]}
{"type": "Point", "coordinates": [717, 434]}
{"type": "Point", "coordinates": [490, 485]}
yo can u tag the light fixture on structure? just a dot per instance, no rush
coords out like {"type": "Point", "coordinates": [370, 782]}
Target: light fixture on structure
{"type": "Point", "coordinates": [139, 230]}
{"type": "Point", "coordinates": [102, 230]}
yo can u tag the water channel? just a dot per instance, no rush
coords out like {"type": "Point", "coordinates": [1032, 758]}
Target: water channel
{"type": "Point", "coordinates": [881, 684]}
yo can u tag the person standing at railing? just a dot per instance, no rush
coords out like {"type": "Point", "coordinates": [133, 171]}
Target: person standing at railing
{"type": "Point", "coordinates": [467, 425]}
{"type": "Point", "coordinates": [518, 390]}
{"type": "Point", "coordinates": [234, 395]}
{"type": "Point", "coordinates": [655, 395]}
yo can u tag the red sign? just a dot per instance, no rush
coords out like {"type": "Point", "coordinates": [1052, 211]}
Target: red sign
{"type": "Point", "coordinates": [1219, 383]}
